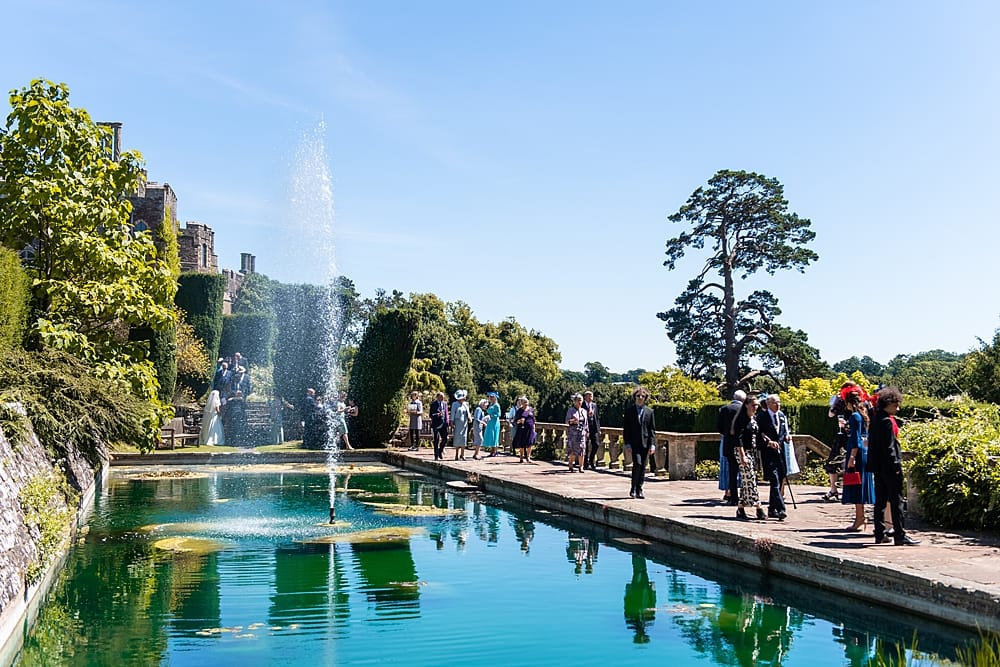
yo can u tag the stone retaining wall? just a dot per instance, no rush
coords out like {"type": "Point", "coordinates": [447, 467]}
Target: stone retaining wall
{"type": "Point", "coordinates": [20, 462]}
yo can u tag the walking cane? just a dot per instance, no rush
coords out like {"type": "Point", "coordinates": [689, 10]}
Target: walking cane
{"type": "Point", "coordinates": [790, 494]}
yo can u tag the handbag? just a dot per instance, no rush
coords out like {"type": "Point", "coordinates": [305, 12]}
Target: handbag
{"type": "Point", "coordinates": [852, 478]}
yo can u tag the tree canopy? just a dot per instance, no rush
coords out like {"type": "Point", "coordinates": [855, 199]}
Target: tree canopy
{"type": "Point", "coordinates": [743, 219]}
{"type": "Point", "coordinates": [64, 205]}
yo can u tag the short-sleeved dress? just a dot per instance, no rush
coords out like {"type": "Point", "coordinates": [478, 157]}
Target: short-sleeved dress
{"type": "Point", "coordinates": [576, 434]}
{"type": "Point", "coordinates": [491, 434]}
{"type": "Point", "coordinates": [863, 494]}
{"type": "Point", "coordinates": [460, 419]}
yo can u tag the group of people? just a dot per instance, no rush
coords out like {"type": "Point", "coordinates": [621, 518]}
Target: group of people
{"type": "Point", "coordinates": [583, 435]}
{"type": "Point", "coordinates": [482, 423]}
{"type": "Point", "coordinates": [224, 420]}
{"type": "Point", "coordinates": [748, 432]}
{"type": "Point", "coordinates": [324, 422]}
{"type": "Point", "coordinates": [866, 455]}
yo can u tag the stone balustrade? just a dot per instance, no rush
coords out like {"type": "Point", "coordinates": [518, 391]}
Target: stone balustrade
{"type": "Point", "coordinates": [676, 453]}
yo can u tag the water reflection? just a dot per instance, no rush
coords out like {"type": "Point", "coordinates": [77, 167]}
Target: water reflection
{"type": "Point", "coordinates": [123, 601]}
{"type": "Point", "coordinates": [640, 601]}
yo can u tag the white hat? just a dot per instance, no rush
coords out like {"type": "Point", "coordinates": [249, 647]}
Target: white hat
{"type": "Point", "coordinates": [461, 394]}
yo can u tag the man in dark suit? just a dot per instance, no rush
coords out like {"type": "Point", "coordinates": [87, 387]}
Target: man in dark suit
{"type": "Point", "coordinates": [885, 459]}
{"type": "Point", "coordinates": [222, 376]}
{"type": "Point", "coordinates": [639, 433]}
{"type": "Point", "coordinates": [593, 430]}
{"type": "Point", "coordinates": [439, 425]}
{"type": "Point", "coordinates": [774, 427]}
{"type": "Point", "coordinates": [727, 426]}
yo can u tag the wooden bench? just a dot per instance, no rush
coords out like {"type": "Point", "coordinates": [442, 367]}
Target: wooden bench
{"type": "Point", "coordinates": [173, 433]}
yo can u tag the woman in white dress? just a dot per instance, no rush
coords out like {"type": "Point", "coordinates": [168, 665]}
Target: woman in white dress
{"type": "Point", "coordinates": [211, 422]}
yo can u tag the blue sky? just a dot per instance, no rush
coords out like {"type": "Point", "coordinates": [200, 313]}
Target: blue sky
{"type": "Point", "coordinates": [523, 157]}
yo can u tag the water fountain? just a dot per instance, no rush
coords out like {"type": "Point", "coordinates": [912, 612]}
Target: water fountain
{"type": "Point", "coordinates": [312, 211]}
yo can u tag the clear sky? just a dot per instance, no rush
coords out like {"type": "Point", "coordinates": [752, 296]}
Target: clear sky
{"type": "Point", "coordinates": [523, 157]}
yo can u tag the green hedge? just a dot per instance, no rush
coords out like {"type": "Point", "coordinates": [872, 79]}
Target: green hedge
{"type": "Point", "coordinates": [250, 334]}
{"type": "Point", "coordinates": [379, 373]}
{"type": "Point", "coordinates": [14, 295]}
{"type": "Point", "coordinates": [163, 354]}
{"type": "Point", "coordinates": [201, 296]}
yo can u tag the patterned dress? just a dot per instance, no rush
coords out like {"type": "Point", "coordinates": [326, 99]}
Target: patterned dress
{"type": "Point", "coordinates": [576, 434]}
{"type": "Point", "coordinates": [748, 470]}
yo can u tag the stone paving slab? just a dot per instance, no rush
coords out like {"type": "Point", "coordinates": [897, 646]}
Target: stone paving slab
{"type": "Point", "coordinates": [951, 576]}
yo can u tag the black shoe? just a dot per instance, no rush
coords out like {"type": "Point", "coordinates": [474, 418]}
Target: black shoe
{"type": "Point", "coordinates": [782, 515]}
{"type": "Point", "coordinates": [760, 514]}
{"type": "Point", "coordinates": [638, 494]}
{"type": "Point", "coordinates": [885, 539]}
{"type": "Point", "coordinates": [631, 494]}
{"type": "Point", "coordinates": [776, 514]}
{"type": "Point", "coordinates": [907, 541]}
{"type": "Point", "coordinates": [741, 513]}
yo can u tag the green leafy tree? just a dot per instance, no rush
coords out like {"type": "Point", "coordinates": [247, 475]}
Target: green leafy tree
{"type": "Point", "coordinates": [865, 364]}
{"type": "Point", "coordinates": [596, 372]}
{"type": "Point", "coordinates": [980, 371]}
{"type": "Point", "coordinates": [379, 373]}
{"type": "Point", "coordinates": [507, 351]}
{"type": "Point", "coordinates": [789, 358]}
{"type": "Point", "coordinates": [438, 341]}
{"type": "Point", "coordinates": [255, 295]}
{"type": "Point", "coordinates": [672, 385]}
{"type": "Point", "coordinates": [743, 218]}
{"type": "Point", "coordinates": [63, 200]}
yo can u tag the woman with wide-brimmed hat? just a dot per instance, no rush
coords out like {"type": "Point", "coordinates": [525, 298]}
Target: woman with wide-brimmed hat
{"type": "Point", "coordinates": [460, 422]}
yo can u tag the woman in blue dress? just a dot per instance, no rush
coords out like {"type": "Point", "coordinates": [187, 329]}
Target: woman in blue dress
{"type": "Point", "coordinates": [856, 460]}
{"type": "Point", "coordinates": [491, 434]}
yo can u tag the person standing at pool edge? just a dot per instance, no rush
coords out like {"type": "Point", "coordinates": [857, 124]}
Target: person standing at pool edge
{"type": "Point", "coordinates": [639, 433]}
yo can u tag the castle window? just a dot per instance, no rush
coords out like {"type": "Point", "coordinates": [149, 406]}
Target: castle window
{"type": "Point", "coordinates": [204, 254]}
{"type": "Point", "coordinates": [140, 226]}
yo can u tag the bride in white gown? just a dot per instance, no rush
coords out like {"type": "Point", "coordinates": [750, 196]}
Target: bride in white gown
{"type": "Point", "coordinates": [211, 422]}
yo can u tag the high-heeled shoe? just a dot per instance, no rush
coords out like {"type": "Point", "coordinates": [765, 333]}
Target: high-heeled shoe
{"type": "Point", "coordinates": [760, 514]}
{"type": "Point", "coordinates": [742, 514]}
{"type": "Point", "coordinates": [857, 527]}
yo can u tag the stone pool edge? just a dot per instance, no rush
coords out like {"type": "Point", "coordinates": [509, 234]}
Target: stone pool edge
{"type": "Point", "coordinates": [944, 600]}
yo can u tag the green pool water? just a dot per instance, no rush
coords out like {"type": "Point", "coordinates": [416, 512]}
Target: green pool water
{"type": "Point", "coordinates": [488, 585]}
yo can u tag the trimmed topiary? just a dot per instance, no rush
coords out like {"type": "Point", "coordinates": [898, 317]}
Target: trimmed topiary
{"type": "Point", "coordinates": [379, 374]}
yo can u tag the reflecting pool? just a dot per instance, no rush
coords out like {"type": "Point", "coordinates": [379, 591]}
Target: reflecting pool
{"type": "Point", "coordinates": [242, 568]}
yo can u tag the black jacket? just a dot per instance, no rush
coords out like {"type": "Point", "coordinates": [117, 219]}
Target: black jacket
{"type": "Point", "coordinates": [639, 429]}
{"type": "Point", "coordinates": [884, 454]}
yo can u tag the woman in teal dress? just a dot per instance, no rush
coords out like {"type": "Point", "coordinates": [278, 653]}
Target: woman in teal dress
{"type": "Point", "coordinates": [856, 460]}
{"type": "Point", "coordinates": [491, 434]}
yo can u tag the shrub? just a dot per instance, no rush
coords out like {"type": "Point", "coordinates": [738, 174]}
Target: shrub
{"type": "Point", "coordinates": [69, 407]}
{"type": "Point", "coordinates": [956, 466]}
{"type": "Point", "coordinates": [379, 373]}
{"type": "Point", "coordinates": [14, 296]}
{"type": "Point", "coordinates": [163, 354]}
{"type": "Point", "coordinates": [706, 469]}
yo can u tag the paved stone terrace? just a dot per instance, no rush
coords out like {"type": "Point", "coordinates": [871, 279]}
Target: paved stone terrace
{"type": "Point", "coordinates": [953, 577]}
{"type": "Point", "coordinates": [950, 576]}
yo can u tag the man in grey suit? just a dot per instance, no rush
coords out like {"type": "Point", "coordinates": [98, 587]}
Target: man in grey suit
{"type": "Point", "coordinates": [640, 438]}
